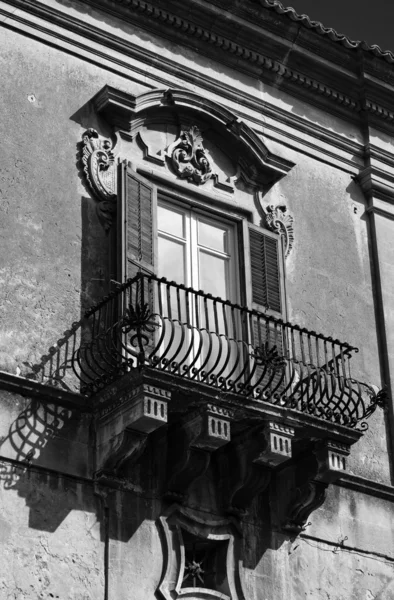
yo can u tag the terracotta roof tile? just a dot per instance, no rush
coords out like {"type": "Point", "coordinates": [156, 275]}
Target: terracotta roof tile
{"type": "Point", "coordinates": [326, 31]}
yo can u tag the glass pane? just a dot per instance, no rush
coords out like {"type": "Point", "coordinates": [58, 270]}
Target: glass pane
{"type": "Point", "coordinates": [171, 260]}
{"type": "Point", "coordinates": [212, 236]}
{"type": "Point", "coordinates": [171, 221]}
{"type": "Point", "coordinates": [213, 275]}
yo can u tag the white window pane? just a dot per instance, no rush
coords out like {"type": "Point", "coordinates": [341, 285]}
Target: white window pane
{"type": "Point", "coordinates": [171, 221]}
{"type": "Point", "coordinates": [212, 236]}
{"type": "Point", "coordinates": [213, 274]}
{"type": "Point", "coordinates": [171, 260]}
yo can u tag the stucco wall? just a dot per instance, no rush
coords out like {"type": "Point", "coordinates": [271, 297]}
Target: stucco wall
{"type": "Point", "coordinates": [54, 263]}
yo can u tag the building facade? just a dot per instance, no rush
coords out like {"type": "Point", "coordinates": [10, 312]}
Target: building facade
{"type": "Point", "coordinates": [197, 337]}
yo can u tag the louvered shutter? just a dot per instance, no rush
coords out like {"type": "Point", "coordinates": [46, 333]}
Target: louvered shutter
{"type": "Point", "coordinates": [265, 267]}
{"type": "Point", "coordinates": [136, 224]}
{"type": "Point", "coordinates": [136, 235]}
{"type": "Point", "coordinates": [267, 296]}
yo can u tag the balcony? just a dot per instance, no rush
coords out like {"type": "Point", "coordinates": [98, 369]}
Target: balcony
{"type": "Point", "coordinates": [205, 341]}
{"type": "Point", "coordinates": [274, 405]}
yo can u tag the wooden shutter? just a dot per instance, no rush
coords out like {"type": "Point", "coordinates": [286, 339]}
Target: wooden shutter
{"type": "Point", "coordinates": [264, 261]}
{"type": "Point", "coordinates": [136, 231]}
{"type": "Point", "coordinates": [265, 265]}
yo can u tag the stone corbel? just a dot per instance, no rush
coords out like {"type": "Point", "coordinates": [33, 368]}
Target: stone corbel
{"type": "Point", "coordinates": [312, 474]}
{"type": "Point", "coordinates": [251, 460]}
{"type": "Point", "coordinates": [190, 445]}
{"type": "Point", "coordinates": [100, 173]}
{"type": "Point", "coordinates": [123, 427]}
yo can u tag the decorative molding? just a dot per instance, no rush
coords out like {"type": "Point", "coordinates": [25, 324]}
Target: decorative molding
{"type": "Point", "coordinates": [100, 173]}
{"type": "Point", "coordinates": [188, 156]}
{"type": "Point", "coordinates": [98, 160]}
{"type": "Point", "coordinates": [157, 159]}
{"type": "Point", "coordinates": [179, 526]}
{"type": "Point", "coordinates": [258, 165]}
{"type": "Point", "coordinates": [281, 222]}
{"type": "Point", "coordinates": [154, 18]}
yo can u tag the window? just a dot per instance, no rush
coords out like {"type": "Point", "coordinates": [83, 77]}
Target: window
{"type": "Point", "coordinates": [235, 261]}
{"type": "Point", "coordinates": [197, 250]}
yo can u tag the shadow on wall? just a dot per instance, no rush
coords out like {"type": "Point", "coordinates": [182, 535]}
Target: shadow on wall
{"type": "Point", "coordinates": [56, 366]}
{"type": "Point", "coordinates": [35, 431]}
{"type": "Point", "coordinates": [51, 469]}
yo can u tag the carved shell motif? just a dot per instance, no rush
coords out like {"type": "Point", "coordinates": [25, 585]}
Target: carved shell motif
{"type": "Point", "coordinates": [280, 221]}
{"type": "Point", "coordinates": [98, 164]}
{"type": "Point", "coordinates": [188, 156]}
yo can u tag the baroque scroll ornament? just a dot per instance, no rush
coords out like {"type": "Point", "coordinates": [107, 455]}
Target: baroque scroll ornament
{"type": "Point", "coordinates": [280, 221]}
{"type": "Point", "coordinates": [188, 156]}
{"type": "Point", "coordinates": [99, 168]}
{"type": "Point", "coordinates": [98, 164]}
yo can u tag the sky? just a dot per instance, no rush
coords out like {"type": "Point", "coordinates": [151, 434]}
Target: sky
{"type": "Point", "coordinates": [369, 20]}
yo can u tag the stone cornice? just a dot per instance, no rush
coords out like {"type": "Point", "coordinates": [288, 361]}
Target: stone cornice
{"type": "Point", "coordinates": [366, 486]}
{"type": "Point", "coordinates": [45, 393]}
{"type": "Point", "coordinates": [268, 65]}
{"type": "Point", "coordinates": [300, 127]}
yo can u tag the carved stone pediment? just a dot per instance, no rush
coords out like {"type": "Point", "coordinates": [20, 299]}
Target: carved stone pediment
{"type": "Point", "coordinates": [257, 165]}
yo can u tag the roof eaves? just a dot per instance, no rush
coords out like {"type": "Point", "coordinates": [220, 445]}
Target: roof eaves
{"type": "Point", "coordinates": [333, 35]}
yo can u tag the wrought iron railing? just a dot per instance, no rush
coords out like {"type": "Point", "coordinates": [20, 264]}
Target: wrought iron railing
{"type": "Point", "coordinates": [206, 340]}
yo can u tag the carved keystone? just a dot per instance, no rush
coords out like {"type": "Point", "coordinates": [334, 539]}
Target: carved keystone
{"type": "Point", "coordinates": [190, 445]}
{"type": "Point", "coordinates": [278, 448]}
{"type": "Point", "coordinates": [123, 426]}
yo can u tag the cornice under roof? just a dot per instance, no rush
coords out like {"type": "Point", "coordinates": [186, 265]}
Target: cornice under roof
{"type": "Point", "coordinates": [291, 13]}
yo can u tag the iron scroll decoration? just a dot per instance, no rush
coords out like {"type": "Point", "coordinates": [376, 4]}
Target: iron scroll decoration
{"type": "Point", "coordinates": [188, 156]}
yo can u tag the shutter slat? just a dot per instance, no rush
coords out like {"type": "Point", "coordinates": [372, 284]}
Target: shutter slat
{"type": "Point", "coordinates": [136, 222]}
{"type": "Point", "coordinates": [265, 269]}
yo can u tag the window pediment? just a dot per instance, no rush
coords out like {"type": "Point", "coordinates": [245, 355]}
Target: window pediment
{"type": "Point", "coordinates": [177, 111]}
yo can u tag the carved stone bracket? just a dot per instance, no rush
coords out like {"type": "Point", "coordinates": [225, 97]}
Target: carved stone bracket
{"type": "Point", "coordinates": [312, 474]}
{"type": "Point", "coordinates": [191, 442]}
{"type": "Point", "coordinates": [251, 459]}
{"type": "Point", "coordinates": [123, 426]}
{"type": "Point", "coordinates": [281, 222]}
{"type": "Point", "coordinates": [188, 156]}
{"type": "Point", "coordinates": [100, 173]}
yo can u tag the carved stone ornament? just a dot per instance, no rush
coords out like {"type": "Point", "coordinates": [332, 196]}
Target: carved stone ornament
{"type": "Point", "coordinates": [123, 426]}
{"type": "Point", "coordinates": [99, 168]}
{"type": "Point", "coordinates": [202, 557]}
{"type": "Point", "coordinates": [313, 473]}
{"type": "Point", "coordinates": [191, 444]}
{"type": "Point", "coordinates": [280, 221]}
{"type": "Point", "coordinates": [188, 156]}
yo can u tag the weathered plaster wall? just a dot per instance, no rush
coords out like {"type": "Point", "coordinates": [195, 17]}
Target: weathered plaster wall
{"type": "Point", "coordinates": [49, 537]}
{"type": "Point", "coordinates": [53, 263]}
{"type": "Point", "coordinates": [58, 530]}
{"type": "Point", "coordinates": [48, 269]}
